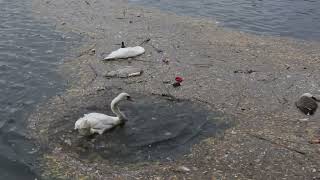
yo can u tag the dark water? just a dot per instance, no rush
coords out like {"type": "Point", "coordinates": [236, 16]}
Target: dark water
{"type": "Point", "coordinates": [30, 51]}
{"type": "Point", "coordinates": [292, 18]}
{"type": "Point", "coordinates": [157, 129]}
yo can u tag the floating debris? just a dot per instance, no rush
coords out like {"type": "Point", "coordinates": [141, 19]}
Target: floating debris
{"type": "Point", "coordinates": [124, 53]}
{"type": "Point", "coordinates": [165, 60]}
{"type": "Point", "coordinates": [166, 81]}
{"type": "Point", "coordinates": [178, 81]}
{"type": "Point", "coordinates": [49, 51]}
{"type": "Point", "coordinates": [125, 72]}
{"type": "Point", "coordinates": [68, 142]}
{"type": "Point", "coordinates": [304, 119]}
{"type": "Point", "coordinates": [176, 84]}
{"type": "Point", "coordinates": [307, 104]}
{"type": "Point", "coordinates": [145, 41]}
{"type": "Point", "coordinates": [92, 52]}
{"type": "Point", "coordinates": [182, 169]}
{"type": "Point", "coordinates": [135, 74]}
{"type": "Point", "coordinates": [315, 141]}
{"type": "Point", "coordinates": [245, 72]}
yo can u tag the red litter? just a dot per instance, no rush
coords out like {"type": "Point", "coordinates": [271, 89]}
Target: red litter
{"type": "Point", "coordinates": [179, 79]}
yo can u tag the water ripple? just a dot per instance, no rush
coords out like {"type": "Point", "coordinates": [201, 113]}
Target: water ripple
{"type": "Point", "coordinates": [294, 18]}
{"type": "Point", "coordinates": [30, 51]}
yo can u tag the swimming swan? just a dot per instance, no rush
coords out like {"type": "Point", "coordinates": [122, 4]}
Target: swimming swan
{"type": "Point", "coordinates": [126, 52]}
{"type": "Point", "coordinates": [99, 123]}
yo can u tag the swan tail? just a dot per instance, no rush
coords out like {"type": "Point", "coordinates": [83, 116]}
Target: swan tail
{"type": "Point", "coordinates": [81, 123]}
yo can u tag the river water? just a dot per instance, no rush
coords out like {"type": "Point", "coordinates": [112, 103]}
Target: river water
{"type": "Point", "coordinates": [291, 18]}
{"type": "Point", "coordinates": [30, 51]}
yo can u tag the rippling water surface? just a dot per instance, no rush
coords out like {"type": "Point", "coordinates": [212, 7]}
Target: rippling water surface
{"type": "Point", "coordinates": [30, 51]}
{"type": "Point", "coordinates": [292, 18]}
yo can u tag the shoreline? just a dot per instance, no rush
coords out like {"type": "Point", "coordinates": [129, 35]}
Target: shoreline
{"type": "Point", "coordinates": [268, 139]}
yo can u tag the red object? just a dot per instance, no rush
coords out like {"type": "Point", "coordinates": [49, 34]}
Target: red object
{"type": "Point", "coordinates": [179, 79]}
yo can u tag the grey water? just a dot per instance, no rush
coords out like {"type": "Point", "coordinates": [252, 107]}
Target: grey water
{"type": "Point", "coordinates": [159, 128]}
{"type": "Point", "coordinates": [30, 51]}
{"type": "Point", "coordinates": [291, 18]}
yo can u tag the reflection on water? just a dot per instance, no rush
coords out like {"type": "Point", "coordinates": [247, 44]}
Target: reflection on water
{"type": "Point", "coordinates": [294, 18]}
{"type": "Point", "coordinates": [29, 54]}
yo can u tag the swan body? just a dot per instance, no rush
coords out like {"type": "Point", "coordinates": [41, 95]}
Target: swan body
{"type": "Point", "coordinates": [99, 123]}
{"type": "Point", "coordinates": [126, 52]}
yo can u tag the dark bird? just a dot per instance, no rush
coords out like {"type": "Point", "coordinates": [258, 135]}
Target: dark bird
{"type": "Point", "coordinates": [307, 104]}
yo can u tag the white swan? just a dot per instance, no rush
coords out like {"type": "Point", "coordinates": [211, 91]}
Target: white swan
{"type": "Point", "coordinates": [126, 52]}
{"type": "Point", "coordinates": [98, 123]}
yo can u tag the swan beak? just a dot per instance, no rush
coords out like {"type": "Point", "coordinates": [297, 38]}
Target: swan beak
{"type": "Point", "coordinates": [130, 99]}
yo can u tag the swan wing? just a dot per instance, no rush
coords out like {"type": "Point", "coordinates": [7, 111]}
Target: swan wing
{"type": "Point", "coordinates": [98, 120]}
{"type": "Point", "coordinates": [96, 116]}
{"type": "Point", "coordinates": [125, 53]}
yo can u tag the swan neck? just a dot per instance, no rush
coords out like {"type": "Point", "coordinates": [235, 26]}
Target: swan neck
{"type": "Point", "coordinates": [115, 108]}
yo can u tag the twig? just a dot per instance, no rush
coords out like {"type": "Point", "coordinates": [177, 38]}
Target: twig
{"type": "Point", "coordinates": [145, 41]}
{"type": "Point", "coordinates": [124, 13]}
{"type": "Point", "coordinates": [245, 72]}
{"type": "Point", "coordinates": [291, 85]}
{"type": "Point", "coordinates": [279, 100]}
{"type": "Point", "coordinates": [144, 60]}
{"type": "Point", "coordinates": [86, 51]}
{"type": "Point", "coordinates": [95, 74]}
{"type": "Point", "coordinates": [240, 96]}
{"type": "Point", "coordinates": [277, 144]}
{"type": "Point", "coordinates": [62, 98]}
{"type": "Point", "coordinates": [203, 101]}
{"type": "Point", "coordinates": [157, 49]}
{"type": "Point", "coordinates": [87, 3]}
{"type": "Point", "coordinates": [168, 96]}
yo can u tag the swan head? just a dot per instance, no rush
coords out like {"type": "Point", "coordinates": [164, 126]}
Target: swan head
{"type": "Point", "coordinates": [124, 96]}
{"type": "Point", "coordinates": [114, 104]}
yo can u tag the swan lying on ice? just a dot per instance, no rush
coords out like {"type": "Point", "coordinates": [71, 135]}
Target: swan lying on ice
{"type": "Point", "coordinates": [98, 122]}
{"type": "Point", "coordinates": [126, 52]}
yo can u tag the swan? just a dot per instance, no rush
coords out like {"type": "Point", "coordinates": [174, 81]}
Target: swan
{"type": "Point", "coordinates": [307, 103]}
{"type": "Point", "coordinates": [99, 123]}
{"type": "Point", "coordinates": [125, 52]}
